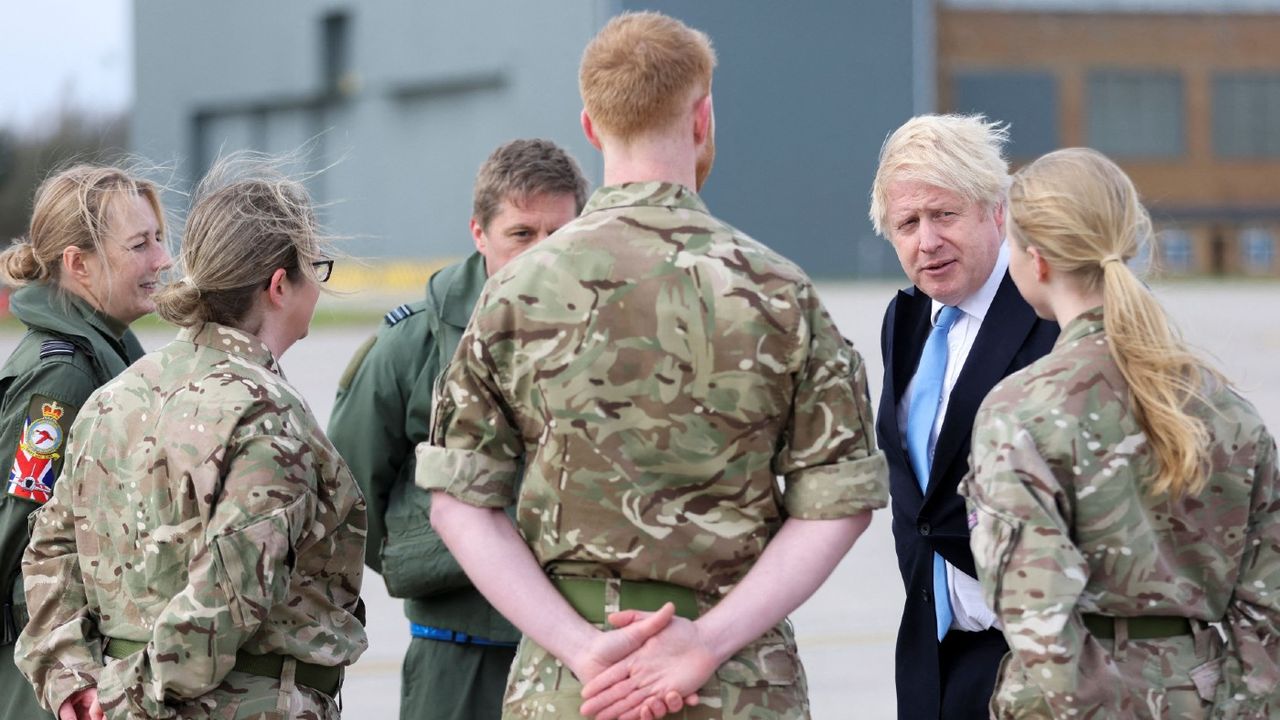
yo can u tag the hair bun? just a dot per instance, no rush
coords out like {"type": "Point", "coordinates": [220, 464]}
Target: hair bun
{"type": "Point", "coordinates": [179, 303]}
{"type": "Point", "coordinates": [19, 265]}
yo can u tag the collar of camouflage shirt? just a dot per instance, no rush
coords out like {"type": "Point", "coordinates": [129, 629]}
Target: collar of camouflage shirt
{"type": "Point", "coordinates": [650, 194]}
{"type": "Point", "coordinates": [233, 342]}
{"type": "Point", "coordinates": [1086, 323]}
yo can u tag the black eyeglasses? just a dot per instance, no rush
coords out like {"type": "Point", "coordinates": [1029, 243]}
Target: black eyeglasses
{"type": "Point", "coordinates": [324, 269]}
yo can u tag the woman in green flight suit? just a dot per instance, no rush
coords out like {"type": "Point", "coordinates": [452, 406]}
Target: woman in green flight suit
{"type": "Point", "coordinates": [85, 271]}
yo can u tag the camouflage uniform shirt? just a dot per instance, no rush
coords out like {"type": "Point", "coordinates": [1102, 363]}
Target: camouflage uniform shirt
{"type": "Point", "coordinates": [201, 511]}
{"type": "Point", "coordinates": [1065, 527]}
{"type": "Point", "coordinates": [658, 371]}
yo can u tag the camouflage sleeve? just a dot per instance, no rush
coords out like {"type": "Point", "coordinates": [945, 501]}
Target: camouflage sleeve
{"type": "Point", "coordinates": [1251, 673]}
{"type": "Point", "coordinates": [1032, 574]}
{"type": "Point", "coordinates": [475, 446]}
{"type": "Point", "coordinates": [828, 456]}
{"type": "Point", "coordinates": [267, 503]}
{"type": "Point", "coordinates": [60, 649]}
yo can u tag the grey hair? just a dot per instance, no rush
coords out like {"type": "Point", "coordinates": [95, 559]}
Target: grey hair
{"type": "Point", "coordinates": [960, 153]}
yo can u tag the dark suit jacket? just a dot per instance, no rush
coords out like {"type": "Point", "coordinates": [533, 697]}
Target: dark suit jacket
{"type": "Point", "coordinates": [1011, 337]}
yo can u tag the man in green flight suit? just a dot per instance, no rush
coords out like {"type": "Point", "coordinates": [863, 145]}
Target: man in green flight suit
{"type": "Point", "coordinates": [457, 663]}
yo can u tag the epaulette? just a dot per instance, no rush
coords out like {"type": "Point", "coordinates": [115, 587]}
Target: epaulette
{"type": "Point", "coordinates": [398, 314]}
{"type": "Point", "coordinates": [54, 348]}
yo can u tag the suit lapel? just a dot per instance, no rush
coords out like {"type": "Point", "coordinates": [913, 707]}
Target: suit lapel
{"type": "Point", "coordinates": [1008, 322]}
{"type": "Point", "coordinates": [910, 329]}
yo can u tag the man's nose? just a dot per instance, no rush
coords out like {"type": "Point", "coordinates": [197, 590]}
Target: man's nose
{"type": "Point", "coordinates": [929, 239]}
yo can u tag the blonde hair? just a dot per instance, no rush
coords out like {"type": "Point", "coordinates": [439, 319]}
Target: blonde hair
{"type": "Point", "coordinates": [247, 220]}
{"type": "Point", "coordinates": [638, 73]}
{"type": "Point", "coordinates": [1083, 215]}
{"type": "Point", "coordinates": [72, 209]}
{"type": "Point", "coordinates": [960, 153]}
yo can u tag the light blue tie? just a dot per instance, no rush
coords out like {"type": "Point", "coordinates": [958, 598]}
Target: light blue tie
{"type": "Point", "coordinates": [926, 398]}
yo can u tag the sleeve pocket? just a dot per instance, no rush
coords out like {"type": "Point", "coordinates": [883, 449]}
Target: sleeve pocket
{"type": "Point", "coordinates": [253, 564]}
{"type": "Point", "coordinates": [415, 561]}
{"type": "Point", "coordinates": [993, 540]}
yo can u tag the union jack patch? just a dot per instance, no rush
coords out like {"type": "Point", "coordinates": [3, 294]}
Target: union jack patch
{"type": "Point", "coordinates": [36, 460]}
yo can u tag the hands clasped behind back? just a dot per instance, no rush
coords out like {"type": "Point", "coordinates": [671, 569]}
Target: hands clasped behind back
{"type": "Point", "coordinates": [660, 675]}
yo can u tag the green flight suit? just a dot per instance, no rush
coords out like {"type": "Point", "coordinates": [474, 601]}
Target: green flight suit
{"type": "Point", "coordinates": [383, 411]}
{"type": "Point", "coordinates": [68, 352]}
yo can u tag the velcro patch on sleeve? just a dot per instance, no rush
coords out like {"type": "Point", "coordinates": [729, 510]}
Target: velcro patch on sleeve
{"type": "Point", "coordinates": [38, 457]}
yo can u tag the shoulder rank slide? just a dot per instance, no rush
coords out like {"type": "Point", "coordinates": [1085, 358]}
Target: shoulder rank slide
{"type": "Point", "coordinates": [53, 348]}
{"type": "Point", "coordinates": [36, 460]}
{"type": "Point", "coordinates": [398, 314]}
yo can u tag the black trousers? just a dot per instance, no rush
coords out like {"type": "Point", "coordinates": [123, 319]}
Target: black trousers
{"type": "Point", "coordinates": [967, 664]}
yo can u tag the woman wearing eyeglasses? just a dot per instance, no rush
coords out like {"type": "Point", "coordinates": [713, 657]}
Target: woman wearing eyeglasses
{"type": "Point", "coordinates": [202, 554]}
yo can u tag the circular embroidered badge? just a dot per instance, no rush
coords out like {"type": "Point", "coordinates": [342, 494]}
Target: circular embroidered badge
{"type": "Point", "coordinates": [44, 437]}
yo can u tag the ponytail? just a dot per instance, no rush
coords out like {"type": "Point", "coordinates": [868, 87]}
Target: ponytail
{"type": "Point", "coordinates": [1082, 214]}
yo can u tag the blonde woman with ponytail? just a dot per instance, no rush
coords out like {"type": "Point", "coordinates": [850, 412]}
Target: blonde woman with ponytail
{"type": "Point", "coordinates": [1126, 500]}
{"type": "Point", "coordinates": [86, 270]}
{"type": "Point", "coordinates": [203, 552]}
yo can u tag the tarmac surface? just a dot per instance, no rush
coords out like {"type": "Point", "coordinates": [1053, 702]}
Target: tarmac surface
{"type": "Point", "coordinates": [846, 630]}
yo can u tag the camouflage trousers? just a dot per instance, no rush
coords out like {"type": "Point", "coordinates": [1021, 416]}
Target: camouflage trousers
{"type": "Point", "coordinates": [763, 681]}
{"type": "Point", "coordinates": [1172, 678]}
{"type": "Point", "coordinates": [242, 696]}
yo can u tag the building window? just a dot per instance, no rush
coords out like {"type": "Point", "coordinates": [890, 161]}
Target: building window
{"type": "Point", "coordinates": [1141, 262]}
{"type": "Point", "coordinates": [335, 51]}
{"type": "Point", "coordinates": [1136, 114]}
{"type": "Point", "coordinates": [1028, 101]}
{"type": "Point", "coordinates": [1175, 250]}
{"type": "Point", "coordinates": [1257, 249]}
{"type": "Point", "coordinates": [1246, 115]}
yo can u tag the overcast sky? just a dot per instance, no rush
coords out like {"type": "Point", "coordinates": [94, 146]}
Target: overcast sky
{"type": "Point", "coordinates": [55, 51]}
{"type": "Point", "coordinates": [80, 51]}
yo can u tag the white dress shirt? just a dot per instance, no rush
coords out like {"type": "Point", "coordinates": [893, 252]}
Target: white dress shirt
{"type": "Point", "coordinates": [971, 612]}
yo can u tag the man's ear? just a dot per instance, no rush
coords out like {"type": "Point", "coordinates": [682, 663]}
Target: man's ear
{"type": "Point", "coordinates": [998, 213]}
{"type": "Point", "coordinates": [702, 118]}
{"type": "Point", "coordinates": [588, 128]}
{"type": "Point", "coordinates": [477, 234]}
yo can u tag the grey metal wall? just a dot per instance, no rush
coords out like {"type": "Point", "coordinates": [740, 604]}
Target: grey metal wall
{"type": "Point", "coordinates": [430, 88]}
{"type": "Point", "coordinates": [415, 94]}
{"type": "Point", "coordinates": [805, 93]}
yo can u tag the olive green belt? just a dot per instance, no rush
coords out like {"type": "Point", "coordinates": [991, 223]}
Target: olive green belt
{"type": "Point", "coordinates": [323, 678]}
{"type": "Point", "coordinates": [1140, 628]}
{"type": "Point", "coordinates": [587, 596]}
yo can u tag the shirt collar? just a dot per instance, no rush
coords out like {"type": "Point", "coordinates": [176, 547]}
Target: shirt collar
{"type": "Point", "coordinates": [232, 342]}
{"type": "Point", "coordinates": [1086, 323]}
{"type": "Point", "coordinates": [650, 194]}
{"type": "Point", "coordinates": [977, 304]}
{"type": "Point", "coordinates": [463, 291]}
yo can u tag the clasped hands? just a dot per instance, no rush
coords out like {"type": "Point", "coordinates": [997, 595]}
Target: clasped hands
{"type": "Point", "coordinates": [82, 705]}
{"type": "Point", "coordinates": [652, 664]}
